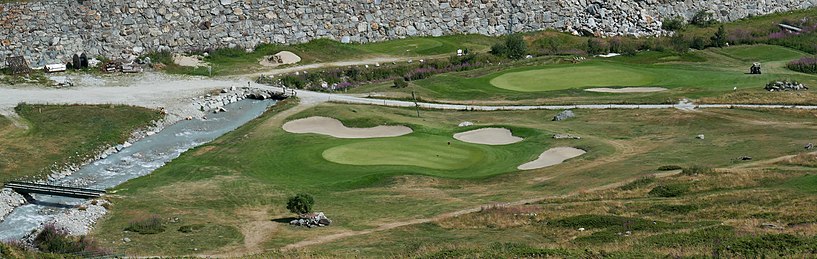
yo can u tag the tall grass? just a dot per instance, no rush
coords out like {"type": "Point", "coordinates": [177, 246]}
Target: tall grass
{"type": "Point", "coordinates": [804, 65]}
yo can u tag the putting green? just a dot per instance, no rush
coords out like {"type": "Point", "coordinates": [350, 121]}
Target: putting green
{"type": "Point", "coordinates": [571, 77]}
{"type": "Point", "coordinates": [433, 152]}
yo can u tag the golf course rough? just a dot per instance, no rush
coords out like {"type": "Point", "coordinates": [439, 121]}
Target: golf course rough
{"type": "Point", "coordinates": [560, 78]}
{"type": "Point", "coordinates": [335, 128]}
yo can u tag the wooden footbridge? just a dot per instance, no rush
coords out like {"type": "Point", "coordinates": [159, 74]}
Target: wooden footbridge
{"type": "Point", "coordinates": [25, 188]}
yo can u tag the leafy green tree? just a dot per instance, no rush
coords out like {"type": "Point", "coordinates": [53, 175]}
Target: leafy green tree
{"type": "Point", "coordinates": [515, 46]}
{"type": "Point", "coordinates": [719, 39]}
{"type": "Point", "coordinates": [300, 203]}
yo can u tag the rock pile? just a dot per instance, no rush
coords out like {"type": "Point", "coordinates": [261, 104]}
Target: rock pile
{"type": "Point", "coordinates": [566, 114]}
{"type": "Point", "coordinates": [8, 201]}
{"type": "Point", "coordinates": [51, 31]}
{"type": "Point", "coordinates": [312, 220]}
{"type": "Point", "coordinates": [779, 86]}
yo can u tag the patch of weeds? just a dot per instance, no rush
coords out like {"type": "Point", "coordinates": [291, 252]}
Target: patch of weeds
{"type": "Point", "coordinates": [669, 190]}
{"type": "Point", "coordinates": [53, 240]}
{"type": "Point", "coordinates": [191, 228]}
{"type": "Point", "coordinates": [640, 183]}
{"type": "Point", "coordinates": [669, 168]}
{"type": "Point", "coordinates": [524, 251]}
{"type": "Point", "coordinates": [148, 226]}
{"type": "Point", "coordinates": [671, 208]}
{"type": "Point", "coordinates": [707, 236]}
{"type": "Point", "coordinates": [610, 221]}
{"type": "Point", "coordinates": [765, 215]}
{"type": "Point", "coordinates": [599, 237]}
{"type": "Point", "coordinates": [770, 244]}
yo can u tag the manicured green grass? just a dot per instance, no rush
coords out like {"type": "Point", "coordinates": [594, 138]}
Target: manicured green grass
{"type": "Point", "coordinates": [422, 151]}
{"type": "Point", "coordinates": [709, 73]}
{"type": "Point", "coordinates": [64, 134]}
{"type": "Point", "coordinates": [430, 46]}
{"type": "Point", "coordinates": [559, 78]}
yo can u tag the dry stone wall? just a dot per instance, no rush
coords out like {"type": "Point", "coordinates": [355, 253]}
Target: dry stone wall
{"type": "Point", "coordinates": [47, 31]}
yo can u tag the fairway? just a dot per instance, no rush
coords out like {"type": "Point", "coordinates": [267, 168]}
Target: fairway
{"type": "Point", "coordinates": [429, 152]}
{"type": "Point", "coordinates": [570, 77]}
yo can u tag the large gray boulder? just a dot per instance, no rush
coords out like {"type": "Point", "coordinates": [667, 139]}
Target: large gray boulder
{"type": "Point", "coordinates": [566, 114]}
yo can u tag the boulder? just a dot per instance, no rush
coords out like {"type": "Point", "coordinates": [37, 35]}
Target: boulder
{"type": "Point", "coordinates": [566, 114]}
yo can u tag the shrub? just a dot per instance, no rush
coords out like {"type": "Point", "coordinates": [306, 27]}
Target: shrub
{"type": "Point", "coordinates": [698, 43]}
{"type": "Point", "coordinates": [676, 23]}
{"type": "Point", "coordinates": [641, 182]}
{"type": "Point", "coordinates": [596, 46]}
{"type": "Point", "coordinates": [53, 240]}
{"type": "Point", "coordinates": [696, 170]}
{"type": "Point", "coordinates": [499, 49]}
{"type": "Point", "coordinates": [515, 46]}
{"type": "Point", "coordinates": [669, 168]}
{"type": "Point", "coordinates": [148, 226]}
{"type": "Point", "coordinates": [400, 83]}
{"type": "Point", "coordinates": [703, 18]}
{"type": "Point", "coordinates": [804, 65]}
{"type": "Point", "coordinates": [769, 244]}
{"type": "Point", "coordinates": [300, 203]}
{"type": "Point", "coordinates": [719, 39]}
{"type": "Point", "coordinates": [669, 190]}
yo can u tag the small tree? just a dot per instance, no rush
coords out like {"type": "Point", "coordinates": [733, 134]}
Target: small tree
{"type": "Point", "coordinates": [301, 203]}
{"type": "Point", "coordinates": [719, 39]}
{"type": "Point", "coordinates": [703, 18]}
{"type": "Point", "coordinates": [698, 43]}
{"type": "Point", "coordinates": [400, 83]}
{"type": "Point", "coordinates": [516, 46]}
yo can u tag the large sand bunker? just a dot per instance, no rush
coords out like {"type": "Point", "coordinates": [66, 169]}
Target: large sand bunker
{"type": "Point", "coordinates": [335, 128]}
{"type": "Point", "coordinates": [553, 156]}
{"type": "Point", "coordinates": [488, 136]}
{"type": "Point", "coordinates": [626, 90]}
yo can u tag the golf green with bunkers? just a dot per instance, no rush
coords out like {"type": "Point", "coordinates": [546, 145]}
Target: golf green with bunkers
{"type": "Point", "coordinates": [559, 78]}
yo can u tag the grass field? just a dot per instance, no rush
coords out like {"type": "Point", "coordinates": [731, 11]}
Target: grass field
{"type": "Point", "coordinates": [235, 187]}
{"type": "Point", "coordinates": [57, 135]}
{"type": "Point", "coordinates": [709, 73]}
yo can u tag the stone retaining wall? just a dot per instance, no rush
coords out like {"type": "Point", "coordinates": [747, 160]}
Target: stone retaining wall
{"type": "Point", "coordinates": [48, 31]}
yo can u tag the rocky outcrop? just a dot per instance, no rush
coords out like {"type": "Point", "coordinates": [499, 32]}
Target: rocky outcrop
{"type": "Point", "coordinates": [51, 31]}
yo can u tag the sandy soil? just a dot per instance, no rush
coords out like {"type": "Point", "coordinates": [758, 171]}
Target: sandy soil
{"type": "Point", "coordinates": [335, 128]}
{"type": "Point", "coordinates": [627, 90]}
{"type": "Point", "coordinates": [285, 56]}
{"type": "Point", "coordinates": [488, 136]}
{"type": "Point", "coordinates": [553, 156]}
{"type": "Point", "coordinates": [188, 61]}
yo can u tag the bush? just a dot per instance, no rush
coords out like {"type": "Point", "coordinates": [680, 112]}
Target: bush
{"type": "Point", "coordinates": [148, 226]}
{"type": "Point", "coordinates": [804, 65]}
{"type": "Point", "coordinates": [676, 23]}
{"type": "Point", "coordinates": [719, 39]}
{"type": "Point", "coordinates": [670, 208]}
{"type": "Point", "coordinates": [641, 182]}
{"type": "Point", "coordinates": [596, 46]}
{"type": "Point", "coordinates": [499, 49]}
{"type": "Point", "coordinates": [400, 83]}
{"type": "Point", "coordinates": [669, 190]}
{"type": "Point", "coordinates": [53, 240]}
{"type": "Point", "coordinates": [669, 168]}
{"type": "Point", "coordinates": [698, 43]}
{"type": "Point", "coordinates": [703, 18]}
{"type": "Point", "coordinates": [516, 47]}
{"type": "Point", "coordinates": [300, 203]}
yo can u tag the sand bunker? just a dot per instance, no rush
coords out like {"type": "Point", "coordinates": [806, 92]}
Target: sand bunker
{"type": "Point", "coordinates": [281, 58]}
{"type": "Point", "coordinates": [333, 127]}
{"type": "Point", "coordinates": [488, 136]}
{"type": "Point", "coordinates": [627, 90]}
{"type": "Point", "coordinates": [188, 61]}
{"type": "Point", "coordinates": [553, 156]}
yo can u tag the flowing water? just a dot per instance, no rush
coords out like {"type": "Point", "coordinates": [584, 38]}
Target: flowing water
{"type": "Point", "coordinates": [140, 159]}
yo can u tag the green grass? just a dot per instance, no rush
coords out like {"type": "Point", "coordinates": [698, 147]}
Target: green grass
{"type": "Point", "coordinates": [807, 184]}
{"type": "Point", "coordinates": [421, 151]}
{"type": "Point", "coordinates": [63, 134]}
{"type": "Point", "coordinates": [553, 81]}
{"type": "Point", "coordinates": [559, 78]}
{"type": "Point", "coordinates": [430, 46]}
{"type": "Point", "coordinates": [255, 168]}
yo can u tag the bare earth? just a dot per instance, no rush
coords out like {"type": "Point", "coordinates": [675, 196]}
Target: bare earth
{"type": "Point", "coordinates": [188, 61]}
{"type": "Point", "coordinates": [553, 156]}
{"type": "Point", "coordinates": [627, 90]}
{"type": "Point", "coordinates": [333, 127]}
{"type": "Point", "coordinates": [286, 59]}
{"type": "Point", "coordinates": [488, 136]}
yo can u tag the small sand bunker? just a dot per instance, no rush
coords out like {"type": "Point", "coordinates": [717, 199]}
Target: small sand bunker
{"type": "Point", "coordinates": [335, 128]}
{"type": "Point", "coordinates": [553, 156]}
{"type": "Point", "coordinates": [488, 136]}
{"type": "Point", "coordinates": [188, 61]}
{"type": "Point", "coordinates": [626, 90]}
{"type": "Point", "coordinates": [281, 58]}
